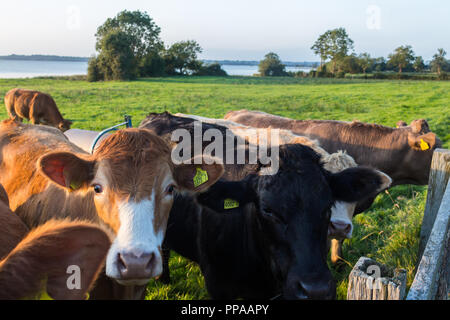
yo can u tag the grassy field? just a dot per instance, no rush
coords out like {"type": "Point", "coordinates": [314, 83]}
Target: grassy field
{"type": "Point", "coordinates": [388, 232]}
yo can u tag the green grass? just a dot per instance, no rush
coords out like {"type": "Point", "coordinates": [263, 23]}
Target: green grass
{"type": "Point", "coordinates": [388, 232]}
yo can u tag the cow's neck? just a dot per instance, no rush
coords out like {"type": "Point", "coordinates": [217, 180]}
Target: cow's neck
{"type": "Point", "coordinates": [228, 244]}
{"type": "Point", "coordinates": [55, 203]}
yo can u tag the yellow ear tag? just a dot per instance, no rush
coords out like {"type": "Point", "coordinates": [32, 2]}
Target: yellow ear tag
{"type": "Point", "coordinates": [44, 296]}
{"type": "Point", "coordinates": [230, 204]}
{"type": "Point", "coordinates": [423, 145]}
{"type": "Point", "coordinates": [200, 177]}
{"type": "Point", "coordinates": [74, 185]}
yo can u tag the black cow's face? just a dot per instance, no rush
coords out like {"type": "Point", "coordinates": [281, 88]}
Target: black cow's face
{"type": "Point", "coordinates": [293, 214]}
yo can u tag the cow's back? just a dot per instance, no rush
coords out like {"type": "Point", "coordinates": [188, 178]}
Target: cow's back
{"type": "Point", "coordinates": [358, 139]}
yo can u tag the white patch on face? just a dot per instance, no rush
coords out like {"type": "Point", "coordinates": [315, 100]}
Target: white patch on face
{"type": "Point", "coordinates": [136, 235]}
{"type": "Point", "coordinates": [342, 213]}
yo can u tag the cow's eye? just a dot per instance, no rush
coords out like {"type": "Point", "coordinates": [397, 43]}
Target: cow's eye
{"type": "Point", "coordinates": [170, 189]}
{"type": "Point", "coordinates": [267, 212]}
{"type": "Point", "coordinates": [97, 188]}
{"type": "Point", "coordinates": [270, 214]}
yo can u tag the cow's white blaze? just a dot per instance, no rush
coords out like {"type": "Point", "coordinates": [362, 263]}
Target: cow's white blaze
{"type": "Point", "coordinates": [136, 235]}
{"type": "Point", "coordinates": [342, 213]}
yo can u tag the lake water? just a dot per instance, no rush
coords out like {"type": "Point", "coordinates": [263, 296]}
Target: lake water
{"type": "Point", "coordinates": [29, 69]}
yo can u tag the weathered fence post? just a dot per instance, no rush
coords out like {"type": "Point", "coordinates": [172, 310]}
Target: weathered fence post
{"type": "Point", "coordinates": [439, 176]}
{"type": "Point", "coordinates": [371, 280]}
{"type": "Point", "coordinates": [432, 278]}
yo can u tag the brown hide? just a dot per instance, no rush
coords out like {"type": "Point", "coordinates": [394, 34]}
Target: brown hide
{"type": "Point", "coordinates": [395, 151]}
{"type": "Point", "coordinates": [38, 107]}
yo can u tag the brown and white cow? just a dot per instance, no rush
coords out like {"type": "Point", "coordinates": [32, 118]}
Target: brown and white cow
{"type": "Point", "coordinates": [38, 107]}
{"type": "Point", "coordinates": [403, 153]}
{"type": "Point", "coordinates": [34, 264]}
{"type": "Point", "coordinates": [126, 185]}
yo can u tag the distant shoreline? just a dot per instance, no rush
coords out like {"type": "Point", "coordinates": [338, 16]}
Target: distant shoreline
{"type": "Point", "coordinates": [40, 57]}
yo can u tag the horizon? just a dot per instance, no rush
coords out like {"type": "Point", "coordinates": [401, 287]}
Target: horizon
{"type": "Point", "coordinates": [67, 28]}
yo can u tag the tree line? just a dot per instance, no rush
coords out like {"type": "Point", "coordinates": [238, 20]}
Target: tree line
{"type": "Point", "coordinates": [129, 46]}
{"type": "Point", "coordinates": [335, 49]}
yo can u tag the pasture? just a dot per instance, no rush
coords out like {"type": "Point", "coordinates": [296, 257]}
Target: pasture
{"type": "Point", "coordinates": [388, 232]}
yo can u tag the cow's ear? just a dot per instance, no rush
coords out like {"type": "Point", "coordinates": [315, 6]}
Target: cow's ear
{"type": "Point", "coordinates": [401, 124]}
{"type": "Point", "coordinates": [67, 169]}
{"type": "Point", "coordinates": [420, 126]}
{"type": "Point", "coordinates": [355, 184]}
{"type": "Point", "coordinates": [423, 142]}
{"type": "Point", "coordinates": [57, 260]}
{"type": "Point", "coordinates": [198, 177]}
{"type": "Point", "coordinates": [225, 195]}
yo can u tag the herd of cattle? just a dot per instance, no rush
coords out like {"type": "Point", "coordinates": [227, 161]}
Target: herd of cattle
{"type": "Point", "coordinates": [115, 214]}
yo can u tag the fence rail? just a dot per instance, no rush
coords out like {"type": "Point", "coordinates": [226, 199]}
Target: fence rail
{"type": "Point", "coordinates": [432, 277]}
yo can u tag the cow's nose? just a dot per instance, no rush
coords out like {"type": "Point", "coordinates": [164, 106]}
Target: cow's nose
{"type": "Point", "coordinates": [340, 229]}
{"type": "Point", "coordinates": [136, 266]}
{"type": "Point", "coordinates": [317, 290]}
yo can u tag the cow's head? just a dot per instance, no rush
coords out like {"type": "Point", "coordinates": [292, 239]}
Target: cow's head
{"type": "Point", "coordinates": [131, 180]}
{"type": "Point", "coordinates": [64, 125]}
{"type": "Point", "coordinates": [421, 143]}
{"type": "Point", "coordinates": [341, 225]}
{"type": "Point", "coordinates": [293, 209]}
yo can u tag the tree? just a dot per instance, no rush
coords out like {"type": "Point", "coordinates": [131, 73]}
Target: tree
{"type": "Point", "coordinates": [439, 62]}
{"type": "Point", "coordinates": [152, 65]}
{"type": "Point", "coordinates": [401, 58]}
{"type": "Point", "coordinates": [128, 45]}
{"type": "Point", "coordinates": [334, 45]}
{"type": "Point", "coordinates": [271, 65]}
{"type": "Point", "coordinates": [419, 64]}
{"type": "Point", "coordinates": [116, 60]}
{"type": "Point", "coordinates": [143, 33]}
{"type": "Point", "coordinates": [379, 64]}
{"type": "Point", "coordinates": [365, 61]}
{"type": "Point", "coordinates": [182, 56]}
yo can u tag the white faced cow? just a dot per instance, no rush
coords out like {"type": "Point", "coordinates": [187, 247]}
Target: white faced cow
{"type": "Point", "coordinates": [127, 185]}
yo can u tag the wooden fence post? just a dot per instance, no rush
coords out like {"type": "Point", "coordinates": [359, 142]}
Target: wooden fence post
{"type": "Point", "coordinates": [439, 176]}
{"type": "Point", "coordinates": [371, 280]}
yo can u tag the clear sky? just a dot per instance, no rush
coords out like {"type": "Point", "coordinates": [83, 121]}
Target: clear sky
{"type": "Point", "coordinates": [231, 29]}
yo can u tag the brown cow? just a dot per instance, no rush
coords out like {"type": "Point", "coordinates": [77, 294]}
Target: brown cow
{"type": "Point", "coordinates": [36, 264]}
{"type": "Point", "coordinates": [38, 107]}
{"type": "Point", "coordinates": [403, 153]}
{"type": "Point", "coordinates": [126, 185]}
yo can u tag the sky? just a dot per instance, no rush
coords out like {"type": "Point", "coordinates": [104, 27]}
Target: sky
{"type": "Point", "coordinates": [232, 29]}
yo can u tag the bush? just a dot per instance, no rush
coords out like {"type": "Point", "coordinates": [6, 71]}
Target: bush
{"type": "Point", "coordinates": [214, 69]}
{"type": "Point", "coordinates": [340, 74]}
{"type": "Point", "coordinates": [443, 76]}
{"type": "Point", "coordinates": [94, 73]}
{"type": "Point", "coordinates": [271, 66]}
